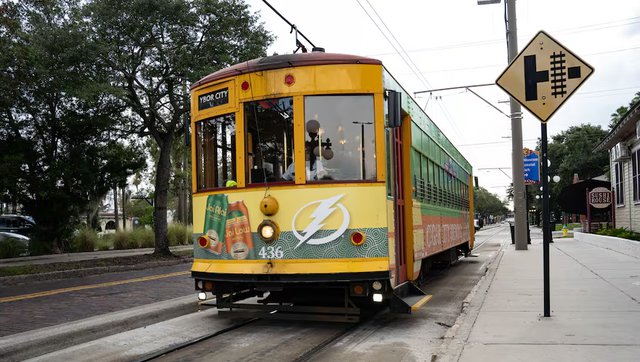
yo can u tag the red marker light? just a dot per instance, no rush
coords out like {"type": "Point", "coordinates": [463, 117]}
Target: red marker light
{"type": "Point", "coordinates": [244, 85]}
{"type": "Point", "coordinates": [357, 238]}
{"type": "Point", "coordinates": [203, 241]}
{"type": "Point", "coordinates": [289, 80]}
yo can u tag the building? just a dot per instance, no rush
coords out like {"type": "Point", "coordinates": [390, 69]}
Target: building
{"type": "Point", "coordinates": [623, 144]}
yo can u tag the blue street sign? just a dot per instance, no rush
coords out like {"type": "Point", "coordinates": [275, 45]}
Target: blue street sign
{"type": "Point", "coordinates": [531, 168]}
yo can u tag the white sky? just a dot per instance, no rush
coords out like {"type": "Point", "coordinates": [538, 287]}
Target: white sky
{"type": "Point", "coordinates": [457, 42]}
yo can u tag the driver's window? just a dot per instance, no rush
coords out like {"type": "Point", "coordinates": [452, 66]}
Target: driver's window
{"type": "Point", "coordinates": [340, 142]}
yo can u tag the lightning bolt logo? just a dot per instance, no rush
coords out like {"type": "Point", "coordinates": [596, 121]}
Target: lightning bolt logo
{"type": "Point", "coordinates": [325, 208]}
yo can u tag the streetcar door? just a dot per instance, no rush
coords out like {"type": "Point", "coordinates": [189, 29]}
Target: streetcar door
{"type": "Point", "coordinates": [395, 121]}
{"type": "Point", "coordinates": [398, 206]}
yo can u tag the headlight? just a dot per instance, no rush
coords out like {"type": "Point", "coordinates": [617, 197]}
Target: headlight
{"type": "Point", "coordinates": [377, 297]}
{"type": "Point", "coordinates": [202, 296]}
{"type": "Point", "coordinates": [376, 285]}
{"type": "Point", "coordinates": [268, 231]}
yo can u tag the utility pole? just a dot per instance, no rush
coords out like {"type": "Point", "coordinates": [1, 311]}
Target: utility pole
{"type": "Point", "coordinates": [519, 200]}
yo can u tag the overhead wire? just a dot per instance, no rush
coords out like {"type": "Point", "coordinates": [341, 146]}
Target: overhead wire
{"type": "Point", "coordinates": [500, 41]}
{"type": "Point", "coordinates": [404, 55]}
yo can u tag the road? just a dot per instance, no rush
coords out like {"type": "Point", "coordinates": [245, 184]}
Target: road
{"type": "Point", "coordinates": [386, 337]}
{"type": "Point", "coordinates": [47, 303]}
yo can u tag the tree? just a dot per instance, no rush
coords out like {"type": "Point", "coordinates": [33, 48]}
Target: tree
{"type": "Point", "coordinates": [152, 49]}
{"type": "Point", "coordinates": [486, 203]}
{"type": "Point", "coordinates": [57, 115]}
{"type": "Point", "coordinates": [622, 111]}
{"type": "Point", "coordinates": [571, 152]}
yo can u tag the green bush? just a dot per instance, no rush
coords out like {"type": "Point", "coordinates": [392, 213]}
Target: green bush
{"type": "Point", "coordinates": [143, 237]}
{"type": "Point", "coordinates": [85, 240]}
{"type": "Point", "coordinates": [189, 231]}
{"type": "Point", "coordinates": [124, 240]}
{"type": "Point", "coordinates": [11, 248]}
{"type": "Point", "coordinates": [105, 242]}
{"type": "Point", "coordinates": [177, 234]}
{"type": "Point", "coordinates": [620, 233]}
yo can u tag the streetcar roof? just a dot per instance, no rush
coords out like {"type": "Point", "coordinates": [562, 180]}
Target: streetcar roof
{"type": "Point", "coordinates": [284, 61]}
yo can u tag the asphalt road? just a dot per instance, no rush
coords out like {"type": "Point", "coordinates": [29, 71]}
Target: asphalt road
{"type": "Point", "coordinates": [46, 303]}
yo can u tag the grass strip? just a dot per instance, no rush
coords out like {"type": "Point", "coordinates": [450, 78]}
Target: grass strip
{"type": "Point", "coordinates": [183, 255]}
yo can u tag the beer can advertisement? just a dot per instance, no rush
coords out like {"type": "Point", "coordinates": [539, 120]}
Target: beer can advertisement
{"type": "Point", "coordinates": [227, 232]}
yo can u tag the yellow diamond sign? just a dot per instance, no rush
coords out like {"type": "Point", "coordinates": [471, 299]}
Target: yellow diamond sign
{"type": "Point", "coordinates": [543, 76]}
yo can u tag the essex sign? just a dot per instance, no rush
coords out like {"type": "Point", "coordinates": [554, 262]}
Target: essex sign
{"type": "Point", "coordinates": [543, 76]}
{"type": "Point", "coordinates": [600, 198]}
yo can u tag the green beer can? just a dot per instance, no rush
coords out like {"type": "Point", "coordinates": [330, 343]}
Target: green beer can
{"type": "Point", "coordinates": [215, 221]}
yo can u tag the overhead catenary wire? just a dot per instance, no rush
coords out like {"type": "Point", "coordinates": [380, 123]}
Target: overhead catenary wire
{"type": "Point", "coordinates": [418, 73]}
{"type": "Point", "coordinates": [407, 60]}
{"type": "Point", "coordinates": [500, 41]}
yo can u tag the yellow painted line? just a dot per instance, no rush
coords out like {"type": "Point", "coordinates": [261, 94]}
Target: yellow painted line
{"type": "Point", "coordinates": [421, 302]}
{"type": "Point", "coordinates": [91, 286]}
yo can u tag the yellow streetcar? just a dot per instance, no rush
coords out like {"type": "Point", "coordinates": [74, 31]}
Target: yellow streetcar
{"type": "Point", "coordinates": [320, 188]}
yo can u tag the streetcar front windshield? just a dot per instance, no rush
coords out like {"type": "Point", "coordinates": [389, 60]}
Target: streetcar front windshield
{"type": "Point", "coordinates": [269, 125]}
{"type": "Point", "coordinates": [340, 142]}
{"type": "Point", "coordinates": [215, 152]}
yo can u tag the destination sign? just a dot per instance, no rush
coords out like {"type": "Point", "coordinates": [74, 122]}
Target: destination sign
{"type": "Point", "coordinates": [213, 99]}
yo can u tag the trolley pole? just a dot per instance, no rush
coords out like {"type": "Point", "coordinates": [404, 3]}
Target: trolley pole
{"type": "Point", "coordinates": [519, 196]}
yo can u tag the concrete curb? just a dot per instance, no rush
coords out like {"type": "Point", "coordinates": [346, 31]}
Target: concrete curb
{"type": "Point", "coordinates": [30, 344]}
{"type": "Point", "coordinates": [624, 246]}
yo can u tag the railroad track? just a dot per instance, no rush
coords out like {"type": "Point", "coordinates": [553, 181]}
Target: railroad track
{"type": "Point", "coordinates": [311, 339]}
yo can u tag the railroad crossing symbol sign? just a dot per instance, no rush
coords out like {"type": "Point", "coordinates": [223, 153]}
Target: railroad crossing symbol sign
{"type": "Point", "coordinates": [543, 76]}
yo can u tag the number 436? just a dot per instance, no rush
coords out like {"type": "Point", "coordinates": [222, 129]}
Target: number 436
{"type": "Point", "coordinates": [270, 252]}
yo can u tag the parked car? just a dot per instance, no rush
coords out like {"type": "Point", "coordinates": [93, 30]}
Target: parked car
{"type": "Point", "coordinates": [17, 224]}
{"type": "Point", "coordinates": [12, 244]}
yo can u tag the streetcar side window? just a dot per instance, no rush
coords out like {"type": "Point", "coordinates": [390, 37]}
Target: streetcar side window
{"type": "Point", "coordinates": [269, 125]}
{"type": "Point", "coordinates": [215, 152]}
{"type": "Point", "coordinates": [340, 142]}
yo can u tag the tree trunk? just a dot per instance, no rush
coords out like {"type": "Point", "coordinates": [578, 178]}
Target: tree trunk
{"type": "Point", "coordinates": [163, 175]}
{"type": "Point", "coordinates": [115, 205]}
{"type": "Point", "coordinates": [124, 215]}
{"type": "Point", "coordinates": [180, 191]}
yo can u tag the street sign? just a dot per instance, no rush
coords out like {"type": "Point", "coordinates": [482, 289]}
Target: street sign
{"type": "Point", "coordinates": [543, 76]}
{"type": "Point", "coordinates": [531, 167]}
{"type": "Point", "coordinates": [600, 198]}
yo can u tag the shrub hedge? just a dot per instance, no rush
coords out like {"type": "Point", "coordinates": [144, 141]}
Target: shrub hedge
{"type": "Point", "coordinates": [620, 233]}
{"type": "Point", "coordinates": [85, 240]}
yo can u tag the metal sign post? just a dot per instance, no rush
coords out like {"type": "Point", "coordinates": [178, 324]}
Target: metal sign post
{"type": "Point", "coordinates": [541, 78]}
{"type": "Point", "coordinates": [546, 231]}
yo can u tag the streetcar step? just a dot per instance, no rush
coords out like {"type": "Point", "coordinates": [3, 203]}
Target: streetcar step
{"type": "Point", "coordinates": [408, 298]}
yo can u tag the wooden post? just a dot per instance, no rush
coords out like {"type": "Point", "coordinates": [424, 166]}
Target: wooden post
{"type": "Point", "coordinates": [588, 213]}
{"type": "Point", "coordinates": [613, 208]}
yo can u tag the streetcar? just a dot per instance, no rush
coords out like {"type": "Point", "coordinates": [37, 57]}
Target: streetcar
{"type": "Point", "coordinates": [320, 188]}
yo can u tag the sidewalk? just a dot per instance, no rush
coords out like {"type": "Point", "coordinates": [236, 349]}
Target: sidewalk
{"type": "Point", "coordinates": [595, 306]}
